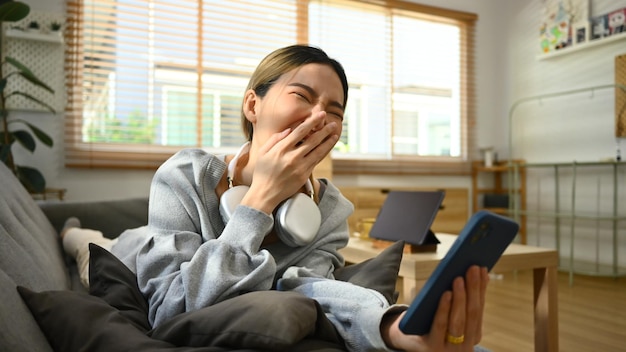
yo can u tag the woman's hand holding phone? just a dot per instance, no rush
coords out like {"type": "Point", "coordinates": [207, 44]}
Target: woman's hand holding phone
{"type": "Point", "coordinates": [460, 313]}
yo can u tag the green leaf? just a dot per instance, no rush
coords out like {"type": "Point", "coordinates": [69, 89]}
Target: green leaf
{"type": "Point", "coordinates": [33, 99]}
{"type": "Point", "coordinates": [41, 135]}
{"type": "Point", "coordinates": [28, 74]}
{"type": "Point", "coordinates": [32, 179]}
{"type": "Point", "coordinates": [13, 11]}
{"type": "Point", "coordinates": [25, 139]}
{"type": "Point", "coordinates": [34, 80]}
{"type": "Point", "coordinates": [20, 66]}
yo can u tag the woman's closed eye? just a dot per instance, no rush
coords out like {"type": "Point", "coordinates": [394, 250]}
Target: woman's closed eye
{"type": "Point", "coordinates": [335, 114]}
{"type": "Point", "coordinates": [303, 96]}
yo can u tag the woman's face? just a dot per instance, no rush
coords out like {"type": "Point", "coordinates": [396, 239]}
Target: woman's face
{"type": "Point", "coordinates": [296, 96]}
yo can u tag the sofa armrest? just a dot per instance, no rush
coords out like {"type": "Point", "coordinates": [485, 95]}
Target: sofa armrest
{"type": "Point", "coordinates": [111, 217]}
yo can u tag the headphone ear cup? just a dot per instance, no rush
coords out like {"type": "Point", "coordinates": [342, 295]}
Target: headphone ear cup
{"type": "Point", "coordinates": [230, 200]}
{"type": "Point", "coordinates": [297, 220]}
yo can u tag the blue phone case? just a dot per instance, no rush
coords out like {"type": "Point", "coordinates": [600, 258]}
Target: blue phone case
{"type": "Point", "coordinates": [481, 242]}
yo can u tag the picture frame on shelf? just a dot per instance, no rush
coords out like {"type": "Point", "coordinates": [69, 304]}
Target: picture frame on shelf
{"type": "Point", "coordinates": [599, 27]}
{"type": "Point", "coordinates": [580, 33]}
{"type": "Point", "coordinates": [616, 21]}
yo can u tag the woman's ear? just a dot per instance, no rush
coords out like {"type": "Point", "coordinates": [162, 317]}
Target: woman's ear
{"type": "Point", "coordinates": [249, 105]}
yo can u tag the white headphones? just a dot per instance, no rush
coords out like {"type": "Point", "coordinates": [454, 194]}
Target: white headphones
{"type": "Point", "coordinates": [297, 219]}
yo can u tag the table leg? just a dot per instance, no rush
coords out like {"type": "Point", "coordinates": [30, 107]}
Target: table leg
{"type": "Point", "coordinates": [409, 290]}
{"type": "Point", "coordinates": [545, 288]}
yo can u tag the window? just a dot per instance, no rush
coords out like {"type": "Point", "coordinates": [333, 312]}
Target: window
{"type": "Point", "coordinates": [148, 77]}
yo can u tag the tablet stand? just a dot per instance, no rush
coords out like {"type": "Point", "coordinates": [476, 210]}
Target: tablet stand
{"type": "Point", "coordinates": [429, 244]}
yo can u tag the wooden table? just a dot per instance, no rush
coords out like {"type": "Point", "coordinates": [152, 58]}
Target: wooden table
{"type": "Point", "coordinates": [417, 267]}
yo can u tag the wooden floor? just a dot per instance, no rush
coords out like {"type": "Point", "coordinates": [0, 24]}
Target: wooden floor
{"type": "Point", "coordinates": [592, 314]}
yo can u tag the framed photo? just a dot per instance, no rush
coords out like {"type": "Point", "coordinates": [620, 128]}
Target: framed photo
{"type": "Point", "coordinates": [599, 27]}
{"type": "Point", "coordinates": [580, 33]}
{"type": "Point", "coordinates": [617, 21]}
{"type": "Point", "coordinates": [558, 23]}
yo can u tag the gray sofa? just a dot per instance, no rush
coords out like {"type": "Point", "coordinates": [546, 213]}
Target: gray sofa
{"type": "Point", "coordinates": [44, 307]}
{"type": "Point", "coordinates": [31, 255]}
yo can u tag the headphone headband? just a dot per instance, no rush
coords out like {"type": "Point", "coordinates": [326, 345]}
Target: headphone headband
{"type": "Point", "coordinates": [233, 163]}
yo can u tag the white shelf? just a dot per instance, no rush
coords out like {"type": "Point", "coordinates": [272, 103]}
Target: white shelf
{"type": "Point", "coordinates": [583, 46]}
{"type": "Point", "coordinates": [37, 36]}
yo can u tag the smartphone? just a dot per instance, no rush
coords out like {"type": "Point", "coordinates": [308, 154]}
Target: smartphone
{"type": "Point", "coordinates": [481, 242]}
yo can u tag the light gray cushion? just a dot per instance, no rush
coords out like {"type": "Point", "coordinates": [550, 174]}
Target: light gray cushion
{"type": "Point", "coordinates": [30, 249]}
{"type": "Point", "coordinates": [30, 256]}
{"type": "Point", "coordinates": [19, 330]}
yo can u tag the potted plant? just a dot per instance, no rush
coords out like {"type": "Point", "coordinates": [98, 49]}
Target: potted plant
{"type": "Point", "coordinates": [33, 26]}
{"type": "Point", "coordinates": [55, 27]}
{"type": "Point", "coordinates": [18, 130]}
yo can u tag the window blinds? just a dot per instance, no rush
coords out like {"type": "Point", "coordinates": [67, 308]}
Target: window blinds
{"type": "Point", "coordinates": [146, 78]}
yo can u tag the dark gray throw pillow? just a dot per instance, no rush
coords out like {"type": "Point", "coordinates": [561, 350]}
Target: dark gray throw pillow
{"type": "Point", "coordinates": [112, 281]}
{"type": "Point", "coordinates": [379, 273]}
{"type": "Point", "coordinates": [75, 321]}
{"type": "Point", "coordinates": [267, 320]}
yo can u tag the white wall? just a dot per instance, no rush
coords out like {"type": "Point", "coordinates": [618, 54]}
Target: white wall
{"type": "Point", "coordinates": [578, 127]}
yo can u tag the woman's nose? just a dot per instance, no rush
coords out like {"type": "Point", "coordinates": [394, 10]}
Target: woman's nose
{"type": "Point", "coordinates": [322, 122]}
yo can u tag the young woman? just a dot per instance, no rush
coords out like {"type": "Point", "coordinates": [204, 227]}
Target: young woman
{"type": "Point", "coordinates": [218, 226]}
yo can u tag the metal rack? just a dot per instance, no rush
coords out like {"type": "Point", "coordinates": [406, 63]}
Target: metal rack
{"type": "Point", "coordinates": [572, 215]}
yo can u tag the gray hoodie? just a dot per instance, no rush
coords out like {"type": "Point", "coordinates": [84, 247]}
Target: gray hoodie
{"type": "Point", "coordinates": [186, 258]}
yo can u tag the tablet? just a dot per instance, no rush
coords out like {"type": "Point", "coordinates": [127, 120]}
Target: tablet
{"type": "Point", "coordinates": [407, 216]}
{"type": "Point", "coordinates": [481, 242]}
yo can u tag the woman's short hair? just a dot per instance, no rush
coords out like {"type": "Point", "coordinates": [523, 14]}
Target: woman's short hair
{"type": "Point", "coordinates": [283, 60]}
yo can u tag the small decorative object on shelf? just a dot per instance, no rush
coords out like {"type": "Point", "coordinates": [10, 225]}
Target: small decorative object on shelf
{"type": "Point", "coordinates": [617, 21]}
{"type": "Point", "coordinates": [33, 26]}
{"type": "Point", "coordinates": [599, 27]}
{"type": "Point", "coordinates": [55, 27]}
{"type": "Point", "coordinates": [489, 156]}
{"type": "Point", "coordinates": [581, 33]}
